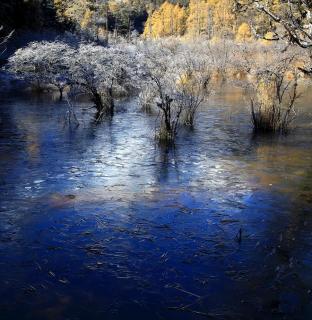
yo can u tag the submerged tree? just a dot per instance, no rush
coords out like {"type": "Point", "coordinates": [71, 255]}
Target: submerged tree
{"type": "Point", "coordinates": [274, 93]}
{"type": "Point", "coordinates": [159, 72]}
{"type": "Point", "coordinates": [102, 73]}
{"type": "Point", "coordinates": [43, 63]}
{"type": "Point", "coordinates": [193, 85]}
{"type": "Point", "coordinates": [177, 81]}
{"type": "Point", "coordinates": [97, 71]}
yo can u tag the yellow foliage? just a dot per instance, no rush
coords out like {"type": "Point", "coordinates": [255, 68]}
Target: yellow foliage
{"type": "Point", "coordinates": [215, 40]}
{"type": "Point", "coordinates": [265, 93]}
{"type": "Point", "coordinates": [78, 11]}
{"type": "Point", "coordinates": [113, 6]}
{"type": "Point", "coordinates": [60, 8]}
{"type": "Point", "coordinates": [300, 63]}
{"type": "Point", "coordinates": [59, 5]}
{"type": "Point", "coordinates": [268, 37]}
{"type": "Point", "coordinates": [168, 20]}
{"type": "Point", "coordinates": [244, 33]}
{"type": "Point", "coordinates": [198, 17]}
{"type": "Point", "coordinates": [289, 75]}
{"type": "Point", "coordinates": [214, 18]}
{"type": "Point", "coordinates": [86, 19]}
{"type": "Point", "coordinates": [183, 80]}
{"type": "Point", "coordinates": [211, 17]}
{"type": "Point", "coordinates": [224, 19]}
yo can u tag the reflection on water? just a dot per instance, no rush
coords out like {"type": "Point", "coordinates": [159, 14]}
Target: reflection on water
{"type": "Point", "coordinates": [99, 222]}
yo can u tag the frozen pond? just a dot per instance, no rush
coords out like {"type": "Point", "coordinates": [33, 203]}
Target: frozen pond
{"type": "Point", "coordinates": [99, 222]}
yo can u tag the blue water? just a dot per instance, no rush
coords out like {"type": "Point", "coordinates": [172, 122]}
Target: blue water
{"type": "Point", "coordinates": [99, 222]}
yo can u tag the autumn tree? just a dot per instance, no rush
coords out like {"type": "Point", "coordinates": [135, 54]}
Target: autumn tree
{"type": "Point", "coordinates": [198, 17]}
{"type": "Point", "coordinates": [60, 7]}
{"type": "Point", "coordinates": [79, 12]}
{"type": "Point", "coordinates": [124, 13]}
{"type": "Point", "coordinates": [224, 18]}
{"type": "Point", "coordinates": [168, 20]}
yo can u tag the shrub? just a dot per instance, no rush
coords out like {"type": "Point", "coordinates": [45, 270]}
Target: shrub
{"type": "Point", "coordinates": [274, 95]}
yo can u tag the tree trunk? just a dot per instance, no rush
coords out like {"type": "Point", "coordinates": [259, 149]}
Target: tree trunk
{"type": "Point", "coordinates": [61, 93]}
{"type": "Point", "coordinates": [106, 22]}
{"type": "Point", "coordinates": [110, 102]}
{"type": "Point", "coordinates": [168, 114]}
{"type": "Point", "coordinates": [97, 99]}
{"type": "Point", "coordinates": [129, 28]}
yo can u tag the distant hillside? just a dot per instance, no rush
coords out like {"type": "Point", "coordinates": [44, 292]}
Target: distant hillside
{"type": "Point", "coordinates": [153, 18]}
{"type": "Point", "coordinates": [36, 14]}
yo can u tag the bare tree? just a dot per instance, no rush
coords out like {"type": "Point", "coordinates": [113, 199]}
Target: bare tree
{"type": "Point", "coordinates": [177, 82]}
{"type": "Point", "coordinates": [220, 54]}
{"type": "Point", "coordinates": [102, 72]}
{"type": "Point", "coordinates": [193, 85]}
{"type": "Point", "coordinates": [159, 72]}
